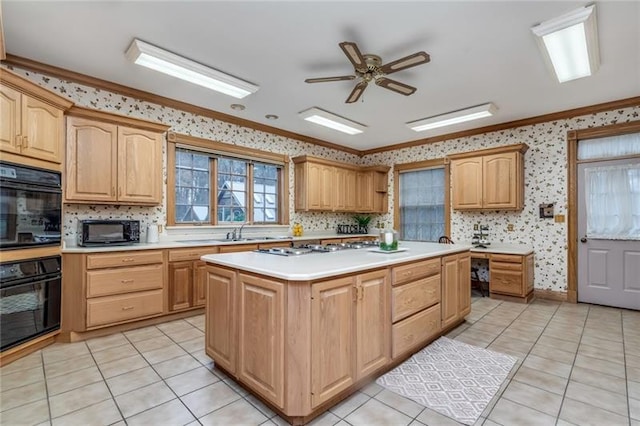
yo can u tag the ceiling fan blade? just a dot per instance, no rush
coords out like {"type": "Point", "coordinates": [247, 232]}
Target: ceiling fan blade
{"type": "Point", "coordinates": [355, 57]}
{"type": "Point", "coordinates": [406, 62]}
{"type": "Point", "coordinates": [325, 79]}
{"type": "Point", "coordinates": [356, 92]}
{"type": "Point", "coordinates": [396, 86]}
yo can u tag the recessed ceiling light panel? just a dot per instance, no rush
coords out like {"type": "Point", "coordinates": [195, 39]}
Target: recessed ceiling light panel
{"type": "Point", "coordinates": [157, 59]}
{"type": "Point", "coordinates": [454, 117]}
{"type": "Point", "coordinates": [332, 121]}
{"type": "Point", "coordinates": [569, 44]}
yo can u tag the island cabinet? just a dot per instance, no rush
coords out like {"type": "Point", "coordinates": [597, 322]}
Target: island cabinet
{"type": "Point", "coordinates": [113, 159]}
{"type": "Point", "coordinates": [415, 305]}
{"type": "Point", "coordinates": [343, 311]}
{"type": "Point", "coordinates": [32, 118]}
{"type": "Point", "coordinates": [456, 289]}
{"type": "Point", "coordinates": [301, 345]}
{"type": "Point", "coordinates": [490, 179]}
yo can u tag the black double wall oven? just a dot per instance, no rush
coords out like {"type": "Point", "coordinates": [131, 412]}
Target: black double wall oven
{"type": "Point", "coordinates": [30, 288]}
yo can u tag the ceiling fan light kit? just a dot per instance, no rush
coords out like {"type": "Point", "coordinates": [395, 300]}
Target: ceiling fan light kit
{"type": "Point", "coordinates": [158, 59]}
{"type": "Point", "coordinates": [332, 121]}
{"type": "Point", "coordinates": [455, 117]}
{"type": "Point", "coordinates": [369, 68]}
{"type": "Point", "coordinates": [569, 44]}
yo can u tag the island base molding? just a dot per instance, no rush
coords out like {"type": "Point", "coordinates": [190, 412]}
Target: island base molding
{"type": "Point", "coordinates": [517, 299]}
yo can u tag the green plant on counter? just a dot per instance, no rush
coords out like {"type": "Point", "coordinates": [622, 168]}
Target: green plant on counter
{"type": "Point", "coordinates": [363, 221]}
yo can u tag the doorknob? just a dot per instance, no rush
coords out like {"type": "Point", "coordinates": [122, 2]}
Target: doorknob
{"type": "Point", "coordinates": [583, 239]}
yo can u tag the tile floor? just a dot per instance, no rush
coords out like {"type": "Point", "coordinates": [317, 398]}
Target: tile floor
{"type": "Point", "coordinates": [578, 365]}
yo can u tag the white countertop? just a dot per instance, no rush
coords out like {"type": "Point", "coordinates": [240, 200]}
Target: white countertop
{"type": "Point", "coordinates": [186, 241]}
{"type": "Point", "coordinates": [318, 265]}
{"type": "Point", "coordinates": [503, 248]}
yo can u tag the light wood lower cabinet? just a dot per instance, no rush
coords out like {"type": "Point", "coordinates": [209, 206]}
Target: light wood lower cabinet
{"type": "Point", "coordinates": [301, 345]}
{"type": "Point", "coordinates": [105, 289]}
{"type": "Point", "coordinates": [188, 277]}
{"type": "Point", "coordinates": [511, 275]}
{"type": "Point", "coordinates": [456, 288]}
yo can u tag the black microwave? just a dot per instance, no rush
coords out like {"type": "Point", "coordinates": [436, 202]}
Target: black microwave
{"type": "Point", "coordinates": [108, 232]}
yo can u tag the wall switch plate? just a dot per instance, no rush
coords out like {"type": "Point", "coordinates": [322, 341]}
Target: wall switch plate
{"type": "Point", "coordinates": [559, 218]}
{"type": "Point", "coordinates": [475, 226]}
{"type": "Point", "coordinates": [510, 227]}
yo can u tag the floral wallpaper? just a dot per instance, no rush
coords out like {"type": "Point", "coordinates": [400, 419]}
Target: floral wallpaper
{"type": "Point", "coordinates": [545, 173]}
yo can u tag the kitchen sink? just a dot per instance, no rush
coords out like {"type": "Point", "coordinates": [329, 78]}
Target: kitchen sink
{"type": "Point", "coordinates": [230, 240]}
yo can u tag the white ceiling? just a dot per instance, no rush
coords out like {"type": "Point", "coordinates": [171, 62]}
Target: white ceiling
{"type": "Point", "coordinates": [481, 51]}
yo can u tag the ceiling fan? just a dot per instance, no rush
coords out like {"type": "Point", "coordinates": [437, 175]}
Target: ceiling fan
{"type": "Point", "coordinates": [369, 67]}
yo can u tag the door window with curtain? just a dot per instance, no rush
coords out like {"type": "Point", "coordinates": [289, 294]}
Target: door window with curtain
{"type": "Point", "coordinates": [421, 204]}
{"type": "Point", "coordinates": [612, 193]}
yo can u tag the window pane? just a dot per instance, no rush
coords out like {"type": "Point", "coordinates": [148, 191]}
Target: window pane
{"type": "Point", "coordinates": [192, 180]}
{"type": "Point", "coordinates": [421, 203]}
{"type": "Point", "coordinates": [232, 190]}
{"type": "Point", "coordinates": [265, 190]}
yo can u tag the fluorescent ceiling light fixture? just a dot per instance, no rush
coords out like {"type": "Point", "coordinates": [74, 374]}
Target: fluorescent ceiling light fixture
{"type": "Point", "coordinates": [335, 122]}
{"type": "Point", "coordinates": [569, 44]}
{"type": "Point", "coordinates": [454, 117]}
{"type": "Point", "coordinates": [169, 63]}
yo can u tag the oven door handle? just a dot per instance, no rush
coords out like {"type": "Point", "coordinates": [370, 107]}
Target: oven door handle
{"type": "Point", "coordinates": [30, 187]}
{"type": "Point", "coordinates": [30, 280]}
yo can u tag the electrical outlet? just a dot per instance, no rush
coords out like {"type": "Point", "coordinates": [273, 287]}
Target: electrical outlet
{"type": "Point", "coordinates": [475, 226]}
{"type": "Point", "coordinates": [510, 227]}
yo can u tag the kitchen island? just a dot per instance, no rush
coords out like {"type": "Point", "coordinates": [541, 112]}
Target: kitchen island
{"type": "Point", "coordinates": [303, 332]}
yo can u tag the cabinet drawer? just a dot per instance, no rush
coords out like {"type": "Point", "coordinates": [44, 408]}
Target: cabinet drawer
{"type": "Point", "coordinates": [507, 282]}
{"type": "Point", "coordinates": [415, 330]}
{"type": "Point", "coordinates": [505, 266]}
{"type": "Point", "coordinates": [410, 298]}
{"type": "Point", "coordinates": [413, 271]}
{"type": "Point", "coordinates": [142, 257]}
{"type": "Point", "coordinates": [511, 258]}
{"type": "Point", "coordinates": [113, 309]}
{"type": "Point", "coordinates": [238, 248]}
{"type": "Point", "coordinates": [194, 253]}
{"type": "Point", "coordinates": [124, 280]}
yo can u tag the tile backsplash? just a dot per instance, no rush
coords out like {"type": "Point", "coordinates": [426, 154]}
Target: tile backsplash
{"type": "Point", "coordinates": [545, 173]}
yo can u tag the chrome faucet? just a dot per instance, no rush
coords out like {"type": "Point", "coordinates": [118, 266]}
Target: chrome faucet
{"type": "Point", "coordinates": [240, 231]}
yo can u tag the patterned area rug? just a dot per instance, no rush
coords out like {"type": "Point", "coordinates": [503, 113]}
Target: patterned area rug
{"type": "Point", "coordinates": [451, 377]}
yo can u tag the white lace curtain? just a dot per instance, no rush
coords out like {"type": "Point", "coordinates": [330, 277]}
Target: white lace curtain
{"type": "Point", "coordinates": [609, 147]}
{"type": "Point", "coordinates": [613, 202]}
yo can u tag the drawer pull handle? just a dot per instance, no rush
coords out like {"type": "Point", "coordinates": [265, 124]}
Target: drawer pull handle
{"type": "Point", "coordinates": [126, 281]}
{"type": "Point", "coordinates": [128, 259]}
{"type": "Point", "coordinates": [127, 308]}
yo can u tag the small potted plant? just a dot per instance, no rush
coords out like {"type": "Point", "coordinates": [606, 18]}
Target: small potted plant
{"type": "Point", "coordinates": [363, 223]}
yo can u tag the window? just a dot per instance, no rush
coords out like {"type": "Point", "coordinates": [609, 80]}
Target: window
{"type": "Point", "coordinates": [422, 213]}
{"type": "Point", "coordinates": [214, 187]}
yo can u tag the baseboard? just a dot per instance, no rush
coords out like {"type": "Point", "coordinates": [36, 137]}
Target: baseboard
{"type": "Point", "coordinates": [559, 296]}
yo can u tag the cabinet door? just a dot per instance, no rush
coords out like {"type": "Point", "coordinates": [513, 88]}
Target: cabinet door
{"type": "Point", "coordinates": [499, 185]}
{"type": "Point", "coordinates": [43, 128]}
{"type": "Point", "coordinates": [450, 290]}
{"type": "Point", "coordinates": [261, 336]}
{"type": "Point", "coordinates": [332, 348]}
{"type": "Point", "coordinates": [139, 166]}
{"type": "Point", "coordinates": [199, 288]}
{"type": "Point", "coordinates": [364, 186]}
{"type": "Point", "coordinates": [10, 117]}
{"type": "Point", "coordinates": [464, 284]}
{"type": "Point", "coordinates": [315, 191]}
{"type": "Point", "coordinates": [373, 320]}
{"type": "Point", "coordinates": [466, 183]}
{"type": "Point", "coordinates": [220, 335]}
{"type": "Point", "coordinates": [328, 187]}
{"type": "Point", "coordinates": [180, 285]}
{"type": "Point", "coordinates": [91, 170]}
{"type": "Point", "coordinates": [350, 191]}
{"type": "Point", "coordinates": [340, 193]}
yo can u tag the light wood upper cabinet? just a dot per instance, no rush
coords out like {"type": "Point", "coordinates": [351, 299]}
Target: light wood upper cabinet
{"type": "Point", "coordinates": [324, 185]}
{"type": "Point", "coordinates": [490, 179]}
{"type": "Point", "coordinates": [113, 159]}
{"type": "Point", "coordinates": [32, 122]}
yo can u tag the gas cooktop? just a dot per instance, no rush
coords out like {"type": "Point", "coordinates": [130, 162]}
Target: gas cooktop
{"type": "Point", "coordinates": [318, 248]}
{"type": "Point", "coordinates": [285, 251]}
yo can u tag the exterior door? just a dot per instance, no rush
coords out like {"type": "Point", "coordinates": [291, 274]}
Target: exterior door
{"type": "Point", "coordinates": [608, 269]}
